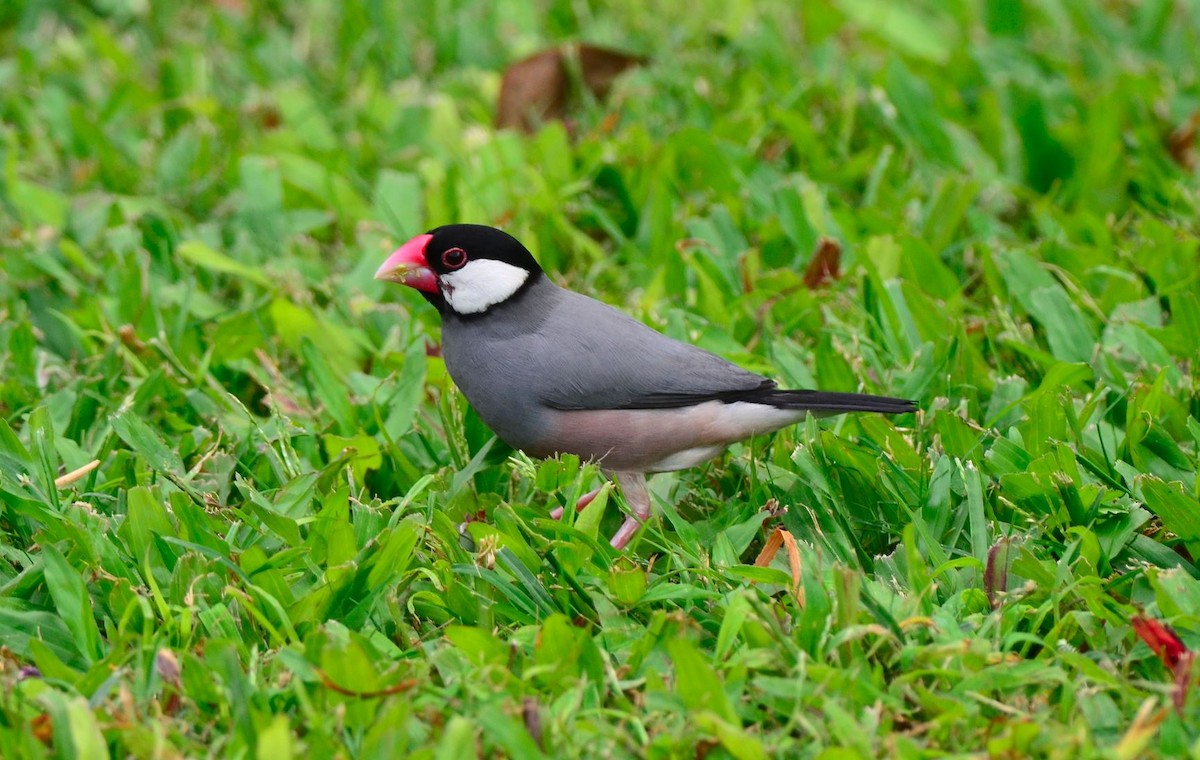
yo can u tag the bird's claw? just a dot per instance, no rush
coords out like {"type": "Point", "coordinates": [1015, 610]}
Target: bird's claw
{"type": "Point", "coordinates": [626, 532]}
{"type": "Point", "coordinates": [634, 487]}
{"type": "Point", "coordinates": [584, 501]}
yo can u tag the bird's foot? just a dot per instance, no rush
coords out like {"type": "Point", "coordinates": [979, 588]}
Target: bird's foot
{"type": "Point", "coordinates": [587, 498]}
{"type": "Point", "coordinates": [633, 485]}
{"type": "Point", "coordinates": [625, 532]}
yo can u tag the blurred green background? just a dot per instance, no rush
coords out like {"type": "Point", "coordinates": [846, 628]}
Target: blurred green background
{"type": "Point", "coordinates": [267, 558]}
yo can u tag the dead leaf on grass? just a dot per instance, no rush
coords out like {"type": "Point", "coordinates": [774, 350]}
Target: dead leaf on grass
{"type": "Point", "coordinates": [546, 85]}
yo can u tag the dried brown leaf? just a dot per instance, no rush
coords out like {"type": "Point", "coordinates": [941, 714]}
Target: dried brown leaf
{"type": "Point", "coordinates": [825, 265]}
{"type": "Point", "coordinates": [397, 688]}
{"type": "Point", "coordinates": [1181, 142]}
{"type": "Point", "coordinates": [167, 665]}
{"type": "Point", "coordinates": [541, 88]}
{"type": "Point", "coordinates": [782, 538]}
{"type": "Point", "coordinates": [533, 720]}
{"type": "Point", "coordinates": [63, 481]}
{"type": "Point", "coordinates": [995, 574]}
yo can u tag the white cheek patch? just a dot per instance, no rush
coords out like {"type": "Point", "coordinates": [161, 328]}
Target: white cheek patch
{"type": "Point", "coordinates": [481, 284]}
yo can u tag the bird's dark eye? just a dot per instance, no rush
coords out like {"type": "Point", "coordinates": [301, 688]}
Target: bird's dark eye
{"type": "Point", "coordinates": [454, 258]}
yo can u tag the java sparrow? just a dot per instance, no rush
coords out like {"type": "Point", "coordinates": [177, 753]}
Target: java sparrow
{"type": "Point", "coordinates": [552, 371]}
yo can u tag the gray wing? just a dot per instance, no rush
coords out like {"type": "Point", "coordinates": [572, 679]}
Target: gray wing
{"type": "Point", "coordinates": [601, 358]}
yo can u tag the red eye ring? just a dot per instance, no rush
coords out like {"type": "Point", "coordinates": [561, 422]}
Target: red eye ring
{"type": "Point", "coordinates": [454, 258]}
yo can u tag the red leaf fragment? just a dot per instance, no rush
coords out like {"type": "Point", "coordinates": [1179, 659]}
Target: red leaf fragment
{"type": "Point", "coordinates": [1169, 648]}
{"type": "Point", "coordinates": [1163, 641]}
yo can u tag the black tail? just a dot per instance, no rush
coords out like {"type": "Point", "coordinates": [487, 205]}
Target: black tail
{"type": "Point", "coordinates": [828, 402]}
{"type": "Point", "coordinates": [832, 402]}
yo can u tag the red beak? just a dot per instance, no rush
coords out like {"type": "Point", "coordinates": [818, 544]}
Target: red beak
{"type": "Point", "coordinates": [407, 265]}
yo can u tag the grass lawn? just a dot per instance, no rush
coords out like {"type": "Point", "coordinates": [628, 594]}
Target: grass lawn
{"type": "Point", "coordinates": [245, 513]}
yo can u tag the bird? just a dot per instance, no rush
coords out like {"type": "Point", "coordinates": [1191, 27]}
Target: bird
{"type": "Point", "coordinates": [552, 371]}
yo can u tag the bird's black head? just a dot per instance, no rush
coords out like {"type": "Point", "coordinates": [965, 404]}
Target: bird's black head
{"type": "Point", "coordinates": [476, 241]}
{"type": "Point", "coordinates": [463, 269]}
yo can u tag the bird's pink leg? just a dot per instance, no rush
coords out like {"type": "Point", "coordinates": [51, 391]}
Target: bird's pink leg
{"type": "Point", "coordinates": [633, 486]}
{"type": "Point", "coordinates": [587, 498]}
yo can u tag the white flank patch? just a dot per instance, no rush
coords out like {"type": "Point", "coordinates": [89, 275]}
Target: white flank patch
{"type": "Point", "coordinates": [744, 419]}
{"type": "Point", "coordinates": [682, 460]}
{"type": "Point", "coordinates": [716, 420]}
{"type": "Point", "coordinates": [481, 284]}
